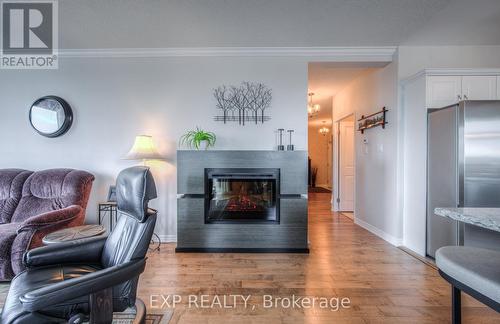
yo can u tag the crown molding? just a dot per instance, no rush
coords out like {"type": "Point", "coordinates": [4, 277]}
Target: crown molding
{"type": "Point", "coordinates": [349, 54]}
{"type": "Point", "coordinates": [450, 72]}
{"type": "Point", "coordinates": [462, 71]}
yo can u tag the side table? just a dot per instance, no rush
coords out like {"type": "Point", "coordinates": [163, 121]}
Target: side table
{"type": "Point", "coordinates": [108, 209]}
{"type": "Point", "coordinates": [73, 233]}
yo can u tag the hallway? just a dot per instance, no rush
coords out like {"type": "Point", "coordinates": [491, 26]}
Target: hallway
{"type": "Point", "coordinates": [383, 283]}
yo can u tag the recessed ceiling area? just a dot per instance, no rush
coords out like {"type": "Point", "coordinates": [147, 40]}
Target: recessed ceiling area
{"type": "Point", "coordinates": [256, 23]}
{"type": "Point", "coordinates": [326, 79]}
{"type": "Point", "coordinates": [461, 22]}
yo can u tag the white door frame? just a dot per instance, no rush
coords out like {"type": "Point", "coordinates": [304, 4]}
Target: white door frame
{"type": "Point", "coordinates": [336, 163]}
{"type": "Point", "coordinates": [329, 158]}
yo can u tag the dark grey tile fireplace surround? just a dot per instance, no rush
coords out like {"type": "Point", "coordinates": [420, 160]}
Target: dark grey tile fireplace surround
{"type": "Point", "coordinates": [242, 201]}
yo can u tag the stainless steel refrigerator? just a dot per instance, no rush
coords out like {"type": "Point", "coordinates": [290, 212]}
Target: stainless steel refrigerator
{"type": "Point", "coordinates": [463, 170]}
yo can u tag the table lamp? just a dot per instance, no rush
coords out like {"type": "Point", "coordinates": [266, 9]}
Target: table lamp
{"type": "Point", "coordinates": [143, 149]}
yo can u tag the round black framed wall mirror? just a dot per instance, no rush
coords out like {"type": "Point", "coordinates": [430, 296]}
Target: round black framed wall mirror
{"type": "Point", "coordinates": [51, 116]}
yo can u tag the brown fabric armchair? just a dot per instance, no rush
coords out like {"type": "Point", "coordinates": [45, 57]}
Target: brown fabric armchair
{"type": "Point", "coordinates": [48, 201]}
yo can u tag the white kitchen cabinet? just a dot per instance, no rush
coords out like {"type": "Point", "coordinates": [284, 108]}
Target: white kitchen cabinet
{"type": "Point", "coordinates": [443, 90]}
{"type": "Point", "coordinates": [479, 87]}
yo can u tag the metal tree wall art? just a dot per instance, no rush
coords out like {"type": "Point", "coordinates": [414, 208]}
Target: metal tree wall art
{"type": "Point", "coordinates": [246, 103]}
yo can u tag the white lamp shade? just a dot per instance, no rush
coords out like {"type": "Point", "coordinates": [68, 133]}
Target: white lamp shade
{"type": "Point", "coordinates": [143, 149]}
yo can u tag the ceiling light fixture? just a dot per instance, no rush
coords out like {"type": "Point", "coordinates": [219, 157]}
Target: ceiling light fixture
{"type": "Point", "coordinates": [312, 109]}
{"type": "Point", "coordinates": [324, 130]}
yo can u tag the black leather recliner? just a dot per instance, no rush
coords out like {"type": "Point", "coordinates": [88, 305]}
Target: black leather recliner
{"type": "Point", "coordinates": [89, 278]}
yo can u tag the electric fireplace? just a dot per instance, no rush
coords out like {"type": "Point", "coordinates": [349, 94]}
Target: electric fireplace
{"type": "Point", "coordinates": [242, 195]}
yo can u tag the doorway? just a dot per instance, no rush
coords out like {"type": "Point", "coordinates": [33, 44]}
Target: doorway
{"type": "Point", "coordinates": [346, 164]}
{"type": "Point", "coordinates": [331, 106]}
{"type": "Point", "coordinates": [320, 147]}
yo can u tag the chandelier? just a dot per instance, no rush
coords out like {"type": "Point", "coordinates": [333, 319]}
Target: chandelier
{"type": "Point", "coordinates": [312, 109]}
{"type": "Point", "coordinates": [324, 130]}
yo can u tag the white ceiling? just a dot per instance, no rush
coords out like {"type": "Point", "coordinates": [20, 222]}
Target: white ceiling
{"type": "Point", "coordinates": [98, 24]}
{"type": "Point", "coordinates": [326, 79]}
{"type": "Point", "coordinates": [462, 22]}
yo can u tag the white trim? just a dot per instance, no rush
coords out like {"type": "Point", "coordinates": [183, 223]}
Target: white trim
{"type": "Point", "coordinates": [336, 162]}
{"type": "Point", "coordinates": [352, 54]}
{"type": "Point", "coordinates": [383, 235]}
{"type": "Point", "coordinates": [400, 160]}
{"type": "Point", "coordinates": [464, 71]}
{"type": "Point", "coordinates": [168, 238]}
{"type": "Point", "coordinates": [335, 165]}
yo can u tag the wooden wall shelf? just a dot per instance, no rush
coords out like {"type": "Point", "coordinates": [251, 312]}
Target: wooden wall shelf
{"type": "Point", "coordinates": [373, 120]}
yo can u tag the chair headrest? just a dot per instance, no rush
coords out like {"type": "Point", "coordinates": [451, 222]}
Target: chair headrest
{"type": "Point", "coordinates": [135, 186]}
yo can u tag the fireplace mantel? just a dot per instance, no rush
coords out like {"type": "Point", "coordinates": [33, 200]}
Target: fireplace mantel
{"type": "Point", "coordinates": [195, 234]}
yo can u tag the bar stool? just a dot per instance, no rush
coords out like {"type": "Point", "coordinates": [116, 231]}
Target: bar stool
{"type": "Point", "coordinates": [474, 271]}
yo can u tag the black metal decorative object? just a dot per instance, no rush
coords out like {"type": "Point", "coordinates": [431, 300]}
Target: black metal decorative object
{"type": "Point", "coordinates": [281, 147]}
{"type": "Point", "coordinates": [246, 103]}
{"type": "Point", "coordinates": [373, 120]}
{"type": "Point", "coordinates": [290, 146]}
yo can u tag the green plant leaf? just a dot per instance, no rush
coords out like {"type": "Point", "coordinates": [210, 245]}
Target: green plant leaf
{"type": "Point", "coordinates": [193, 138]}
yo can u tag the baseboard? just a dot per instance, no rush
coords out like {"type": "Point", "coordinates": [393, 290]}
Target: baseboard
{"type": "Point", "coordinates": [172, 238]}
{"type": "Point", "coordinates": [383, 235]}
{"type": "Point", "coordinates": [349, 215]}
{"type": "Point", "coordinates": [417, 256]}
{"type": "Point", "coordinates": [241, 250]}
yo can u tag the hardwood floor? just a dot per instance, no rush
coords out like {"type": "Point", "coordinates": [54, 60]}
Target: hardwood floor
{"type": "Point", "coordinates": [383, 283]}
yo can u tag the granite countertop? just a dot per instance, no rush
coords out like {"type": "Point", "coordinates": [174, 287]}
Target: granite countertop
{"type": "Point", "coordinates": [483, 217]}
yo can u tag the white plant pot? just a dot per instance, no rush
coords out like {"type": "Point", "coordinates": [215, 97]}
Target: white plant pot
{"type": "Point", "coordinates": [203, 145]}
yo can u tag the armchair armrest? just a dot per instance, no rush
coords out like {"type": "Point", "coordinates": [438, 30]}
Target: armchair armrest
{"type": "Point", "coordinates": [76, 251]}
{"type": "Point", "coordinates": [51, 218]}
{"type": "Point", "coordinates": [85, 285]}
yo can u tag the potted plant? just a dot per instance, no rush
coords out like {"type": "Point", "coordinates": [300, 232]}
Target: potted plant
{"type": "Point", "coordinates": [198, 139]}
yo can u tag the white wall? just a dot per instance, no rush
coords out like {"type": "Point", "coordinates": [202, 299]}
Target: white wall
{"type": "Point", "coordinates": [413, 59]}
{"type": "Point", "coordinates": [376, 162]}
{"type": "Point", "coordinates": [115, 99]}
